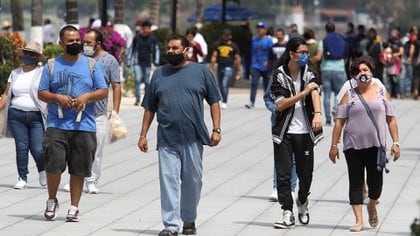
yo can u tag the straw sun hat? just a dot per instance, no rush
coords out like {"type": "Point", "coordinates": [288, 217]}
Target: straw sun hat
{"type": "Point", "coordinates": [32, 47]}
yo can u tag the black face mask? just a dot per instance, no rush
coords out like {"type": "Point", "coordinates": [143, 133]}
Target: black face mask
{"type": "Point", "coordinates": [175, 59]}
{"type": "Point", "coordinates": [74, 49]}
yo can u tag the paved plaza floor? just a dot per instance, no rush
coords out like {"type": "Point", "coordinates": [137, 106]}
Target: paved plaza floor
{"type": "Point", "coordinates": [237, 183]}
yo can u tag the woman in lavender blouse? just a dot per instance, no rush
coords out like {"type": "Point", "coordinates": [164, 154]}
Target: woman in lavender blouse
{"type": "Point", "coordinates": [360, 138]}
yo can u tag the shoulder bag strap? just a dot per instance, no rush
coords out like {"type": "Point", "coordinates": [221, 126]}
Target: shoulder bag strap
{"type": "Point", "coordinates": [369, 112]}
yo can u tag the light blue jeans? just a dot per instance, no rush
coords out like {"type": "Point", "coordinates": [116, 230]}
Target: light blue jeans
{"type": "Point", "coordinates": [332, 81]}
{"type": "Point", "coordinates": [142, 74]}
{"type": "Point", "coordinates": [180, 173]}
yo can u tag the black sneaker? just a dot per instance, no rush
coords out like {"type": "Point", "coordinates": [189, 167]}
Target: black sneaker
{"type": "Point", "coordinates": [189, 229]}
{"type": "Point", "coordinates": [51, 209]}
{"type": "Point", "coordinates": [287, 222]}
{"type": "Point", "coordinates": [168, 232]}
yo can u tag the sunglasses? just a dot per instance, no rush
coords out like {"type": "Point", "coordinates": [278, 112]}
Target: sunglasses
{"type": "Point", "coordinates": [302, 53]}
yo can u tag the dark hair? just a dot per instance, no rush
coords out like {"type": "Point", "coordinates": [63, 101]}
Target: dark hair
{"type": "Point", "coordinates": [367, 60]}
{"type": "Point", "coordinates": [47, 21]}
{"type": "Point", "coordinates": [280, 30]}
{"type": "Point", "coordinates": [291, 46]}
{"type": "Point", "coordinates": [183, 40]}
{"type": "Point", "coordinates": [308, 34]}
{"type": "Point", "coordinates": [99, 37]}
{"type": "Point", "coordinates": [330, 27]}
{"type": "Point", "coordinates": [147, 23]}
{"type": "Point", "coordinates": [65, 29]}
{"type": "Point", "coordinates": [373, 31]}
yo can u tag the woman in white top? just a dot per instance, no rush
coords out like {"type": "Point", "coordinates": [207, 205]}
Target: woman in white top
{"type": "Point", "coordinates": [24, 114]}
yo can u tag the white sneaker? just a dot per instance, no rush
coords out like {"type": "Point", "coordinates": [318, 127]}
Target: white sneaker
{"type": "Point", "coordinates": [67, 188]}
{"type": "Point", "coordinates": [42, 178]}
{"type": "Point", "coordinates": [21, 184]}
{"type": "Point", "coordinates": [273, 196]}
{"type": "Point", "coordinates": [287, 222]}
{"type": "Point", "coordinates": [223, 105]}
{"type": "Point", "coordinates": [92, 189]}
{"type": "Point", "coordinates": [303, 212]}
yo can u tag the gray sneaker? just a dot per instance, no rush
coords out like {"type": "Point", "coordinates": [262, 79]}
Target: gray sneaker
{"type": "Point", "coordinates": [303, 212]}
{"type": "Point", "coordinates": [287, 222]}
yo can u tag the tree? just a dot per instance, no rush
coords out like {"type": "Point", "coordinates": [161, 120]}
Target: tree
{"type": "Point", "coordinates": [72, 12]}
{"type": "Point", "coordinates": [36, 21]}
{"type": "Point", "coordinates": [17, 15]}
{"type": "Point", "coordinates": [200, 11]}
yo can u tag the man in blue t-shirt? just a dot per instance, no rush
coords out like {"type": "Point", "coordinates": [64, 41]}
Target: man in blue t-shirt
{"type": "Point", "coordinates": [261, 46]}
{"type": "Point", "coordinates": [70, 89]}
{"type": "Point", "coordinates": [176, 93]}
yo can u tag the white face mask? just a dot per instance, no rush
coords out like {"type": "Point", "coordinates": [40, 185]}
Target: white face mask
{"type": "Point", "coordinates": [89, 51]}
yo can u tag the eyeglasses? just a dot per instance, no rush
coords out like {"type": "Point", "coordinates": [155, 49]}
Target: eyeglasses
{"type": "Point", "coordinates": [302, 53]}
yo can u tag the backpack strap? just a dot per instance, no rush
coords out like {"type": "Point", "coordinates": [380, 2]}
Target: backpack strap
{"type": "Point", "coordinates": [91, 66]}
{"type": "Point", "coordinates": [51, 64]}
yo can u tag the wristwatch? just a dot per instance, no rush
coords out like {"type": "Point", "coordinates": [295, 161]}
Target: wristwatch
{"type": "Point", "coordinates": [217, 130]}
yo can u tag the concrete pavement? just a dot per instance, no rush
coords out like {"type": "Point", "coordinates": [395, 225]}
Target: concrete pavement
{"type": "Point", "coordinates": [237, 182]}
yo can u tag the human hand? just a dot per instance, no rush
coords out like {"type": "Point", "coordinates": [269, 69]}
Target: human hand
{"type": "Point", "coordinates": [143, 144]}
{"type": "Point", "coordinates": [395, 151]}
{"type": "Point", "coordinates": [311, 86]}
{"type": "Point", "coordinates": [317, 122]}
{"type": "Point", "coordinates": [64, 101]}
{"type": "Point", "coordinates": [215, 139]}
{"type": "Point", "coordinates": [81, 101]}
{"type": "Point", "coordinates": [334, 154]}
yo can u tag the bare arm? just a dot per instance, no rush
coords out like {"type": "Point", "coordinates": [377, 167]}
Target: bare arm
{"type": "Point", "coordinates": [116, 96]}
{"type": "Point", "coordinates": [4, 97]}
{"type": "Point", "coordinates": [317, 58]}
{"type": "Point", "coordinates": [147, 120]}
{"type": "Point", "coordinates": [393, 131]}
{"type": "Point", "coordinates": [216, 117]}
{"type": "Point", "coordinates": [316, 102]}
{"type": "Point", "coordinates": [336, 135]}
{"type": "Point", "coordinates": [238, 65]}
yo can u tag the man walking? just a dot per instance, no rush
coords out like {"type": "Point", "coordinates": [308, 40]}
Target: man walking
{"type": "Point", "coordinates": [69, 84]}
{"type": "Point", "coordinates": [144, 53]}
{"type": "Point", "coordinates": [93, 47]}
{"type": "Point", "coordinates": [176, 93]}
{"type": "Point", "coordinates": [261, 46]}
{"type": "Point", "coordinates": [226, 56]}
{"type": "Point", "coordinates": [333, 51]}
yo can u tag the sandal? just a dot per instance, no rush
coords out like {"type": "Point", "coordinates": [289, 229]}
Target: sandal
{"type": "Point", "coordinates": [373, 217]}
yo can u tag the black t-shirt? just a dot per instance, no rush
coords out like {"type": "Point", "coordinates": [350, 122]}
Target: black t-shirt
{"type": "Point", "coordinates": [226, 54]}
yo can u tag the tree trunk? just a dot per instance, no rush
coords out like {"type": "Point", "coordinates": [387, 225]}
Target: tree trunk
{"type": "Point", "coordinates": [72, 13]}
{"type": "Point", "coordinates": [200, 11]}
{"type": "Point", "coordinates": [17, 15]}
{"type": "Point", "coordinates": [36, 21]}
{"type": "Point", "coordinates": [154, 11]}
{"type": "Point", "coordinates": [119, 11]}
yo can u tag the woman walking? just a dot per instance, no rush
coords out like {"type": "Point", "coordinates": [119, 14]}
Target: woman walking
{"type": "Point", "coordinates": [297, 127]}
{"type": "Point", "coordinates": [25, 114]}
{"type": "Point", "coordinates": [361, 137]}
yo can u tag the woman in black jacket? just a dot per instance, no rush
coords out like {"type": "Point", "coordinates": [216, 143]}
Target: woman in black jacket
{"type": "Point", "coordinates": [298, 126]}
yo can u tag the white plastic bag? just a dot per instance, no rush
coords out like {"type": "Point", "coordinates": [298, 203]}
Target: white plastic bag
{"type": "Point", "coordinates": [117, 128]}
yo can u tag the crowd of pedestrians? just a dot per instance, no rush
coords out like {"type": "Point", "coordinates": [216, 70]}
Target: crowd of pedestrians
{"type": "Point", "coordinates": [297, 70]}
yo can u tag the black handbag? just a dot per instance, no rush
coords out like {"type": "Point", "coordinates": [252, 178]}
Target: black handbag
{"type": "Point", "coordinates": [381, 159]}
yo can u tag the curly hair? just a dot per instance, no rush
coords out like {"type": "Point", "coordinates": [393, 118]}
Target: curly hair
{"type": "Point", "coordinates": [367, 60]}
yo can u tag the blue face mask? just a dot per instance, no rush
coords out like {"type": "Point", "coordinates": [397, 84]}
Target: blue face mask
{"type": "Point", "coordinates": [303, 60]}
{"type": "Point", "coordinates": [28, 60]}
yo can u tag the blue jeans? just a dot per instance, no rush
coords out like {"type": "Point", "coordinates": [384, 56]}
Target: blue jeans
{"type": "Point", "coordinates": [142, 74]}
{"type": "Point", "coordinates": [332, 81]}
{"type": "Point", "coordinates": [180, 173]}
{"type": "Point", "coordinates": [294, 176]}
{"type": "Point", "coordinates": [28, 130]}
{"type": "Point", "coordinates": [255, 78]}
{"type": "Point", "coordinates": [223, 76]}
{"type": "Point", "coordinates": [406, 79]}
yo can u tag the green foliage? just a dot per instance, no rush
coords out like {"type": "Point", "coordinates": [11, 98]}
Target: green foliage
{"type": "Point", "coordinates": [52, 50]}
{"type": "Point", "coordinates": [415, 227]}
{"type": "Point", "coordinates": [8, 61]}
